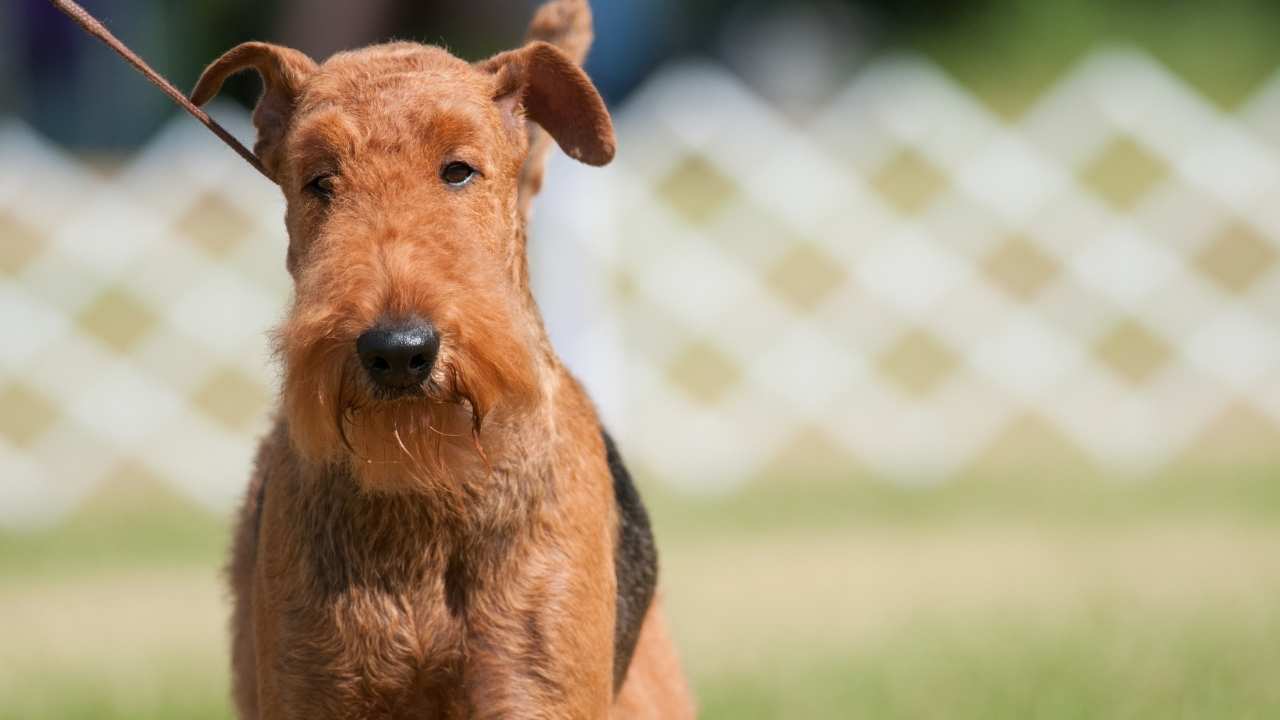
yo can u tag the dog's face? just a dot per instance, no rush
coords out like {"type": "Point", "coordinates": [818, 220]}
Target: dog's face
{"type": "Point", "coordinates": [400, 165]}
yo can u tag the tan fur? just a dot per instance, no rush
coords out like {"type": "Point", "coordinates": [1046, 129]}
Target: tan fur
{"type": "Point", "coordinates": [655, 688]}
{"type": "Point", "coordinates": [448, 555]}
{"type": "Point", "coordinates": [566, 25]}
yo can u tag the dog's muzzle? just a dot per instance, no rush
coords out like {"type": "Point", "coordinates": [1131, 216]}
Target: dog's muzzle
{"type": "Point", "coordinates": [399, 356]}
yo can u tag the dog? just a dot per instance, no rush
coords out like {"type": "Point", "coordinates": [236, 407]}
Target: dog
{"type": "Point", "coordinates": [437, 526]}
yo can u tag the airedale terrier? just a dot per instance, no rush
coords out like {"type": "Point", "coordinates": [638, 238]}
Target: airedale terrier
{"type": "Point", "coordinates": [437, 526]}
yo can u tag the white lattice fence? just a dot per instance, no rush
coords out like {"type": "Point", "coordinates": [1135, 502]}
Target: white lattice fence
{"type": "Point", "coordinates": [902, 284]}
{"type": "Point", "coordinates": [136, 306]}
{"type": "Point", "coordinates": [907, 285]}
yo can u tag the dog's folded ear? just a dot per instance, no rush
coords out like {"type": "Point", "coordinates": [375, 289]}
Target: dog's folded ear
{"type": "Point", "coordinates": [541, 83]}
{"type": "Point", "coordinates": [283, 71]}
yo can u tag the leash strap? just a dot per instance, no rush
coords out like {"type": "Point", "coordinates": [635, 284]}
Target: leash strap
{"type": "Point", "coordinates": [91, 25]}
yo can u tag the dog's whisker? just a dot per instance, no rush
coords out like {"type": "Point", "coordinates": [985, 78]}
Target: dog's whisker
{"type": "Point", "coordinates": [417, 463]}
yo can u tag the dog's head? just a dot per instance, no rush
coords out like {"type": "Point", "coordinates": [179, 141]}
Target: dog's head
{"type": "Point", "coordinates": [400, 164]}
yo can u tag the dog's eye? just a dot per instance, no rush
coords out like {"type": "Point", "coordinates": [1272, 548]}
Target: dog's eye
{"type": "Point", "coordinates": [457, 174]}
{"type": "Point", "coordinates": [320, 186]}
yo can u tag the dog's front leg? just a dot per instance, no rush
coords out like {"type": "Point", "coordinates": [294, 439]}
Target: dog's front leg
{"type": "Point", "coordinates": [542, 646]}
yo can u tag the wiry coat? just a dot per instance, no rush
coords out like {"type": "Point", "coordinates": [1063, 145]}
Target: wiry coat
{"type": "Point", "coordinates": [474, 551]}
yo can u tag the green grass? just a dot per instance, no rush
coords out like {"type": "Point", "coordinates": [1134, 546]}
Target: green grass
{"type": "Point", "coordinates": [168, 689]}
{"type": "Point", "coordinates": [147, 525]}
{"type": "Point", "coordinates": [992, 597]}
{"type": "Point", "coordinates": [1109, 664]}
{"type": "Point", "coordinates": [1010, 51]}
{"type": "Point", "coordinates": [1242, 492]}
{"type": "Point", "coordinates": [1089, 665]}
{"type": "Point", "coordinates": [123, 527]}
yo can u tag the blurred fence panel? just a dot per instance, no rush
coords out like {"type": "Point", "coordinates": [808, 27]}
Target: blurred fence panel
{"type": "Point", "coordinates": [908, 286]}
{"type": "Point", "coordinates": [902, 284]}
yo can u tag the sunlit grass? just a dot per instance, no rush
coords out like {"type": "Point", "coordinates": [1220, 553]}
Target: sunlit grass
{"type": "Point", "coordinates": [1108, 663]}
{"type": "Point", "coordinates": [987, 597]}
{"type": "Point", "coordinates": [177, 687]}
{"type": "Point", "coordinates": [1246, 492]}
{"type": "Point", "coordinates": [1101, 663]}
{"type": "Point", "coordinates": [124, 526]}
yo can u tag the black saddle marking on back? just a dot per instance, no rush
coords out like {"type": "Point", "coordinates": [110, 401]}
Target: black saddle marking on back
{"type": "Point", "coordinates": [635, 560]}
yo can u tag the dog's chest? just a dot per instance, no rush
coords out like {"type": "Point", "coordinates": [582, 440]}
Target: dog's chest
{"type": "Point", "coordinates": [390, 651]}
{"type": "Point", "coordinates": [376, 599]}
{"type": "Point", "coordinates": [381, 625]}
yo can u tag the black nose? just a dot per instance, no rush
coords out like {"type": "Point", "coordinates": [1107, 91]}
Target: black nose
{"type": "Point", "coordinates": [399, 357]}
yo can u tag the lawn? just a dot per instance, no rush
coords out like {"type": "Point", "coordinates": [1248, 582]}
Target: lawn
{"type": "Point", "coordinates": [981, 598]}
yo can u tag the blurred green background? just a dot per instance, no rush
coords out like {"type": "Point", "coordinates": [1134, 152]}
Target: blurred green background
{"type": "Point", "coordinates": [1017, 598]}
{"type": "Point", "coordinates": [1040, 586]}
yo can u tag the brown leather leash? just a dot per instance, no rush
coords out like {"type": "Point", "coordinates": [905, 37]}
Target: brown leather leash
{"type": "Point", "coordinates": [91, 25]}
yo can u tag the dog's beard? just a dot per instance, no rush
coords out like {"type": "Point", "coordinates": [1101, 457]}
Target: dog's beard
{"type": "Point", "coordinates": [425, 440]}
{"type": "Point", "coordinates": [431, 440]}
